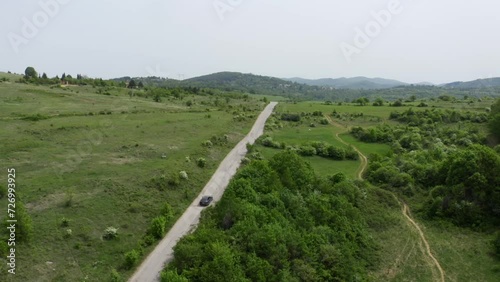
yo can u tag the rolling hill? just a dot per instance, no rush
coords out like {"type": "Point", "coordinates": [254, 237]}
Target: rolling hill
{"type": "Point", "coordinates": [474, 84]}
{"type": "Point", "coordinates": [359, 82]}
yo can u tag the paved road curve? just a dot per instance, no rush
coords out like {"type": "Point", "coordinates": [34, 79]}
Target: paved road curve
{"type": "Point", "coordinates": [150, 269]}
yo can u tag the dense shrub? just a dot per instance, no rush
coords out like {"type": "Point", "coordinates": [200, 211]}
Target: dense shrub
{"type": "Point", "coordinates": [496, 245]}
{"type": "Point", "coordinates": [271, 226]}
{"type": "Point", "coordinates": [157, 228]}
{"type": "Point", "coordinates": [201, 162]}
{"type": "Point", "coordinates": [110, 233]}
{"type": "Point", "coordinates": [183, 175]}
{"type": "Point", "coordinates": [131, 258]}
{"type": "Point", "coordinates": [290, 117]}
{"type": "Point", "coordinates": [207, 144]}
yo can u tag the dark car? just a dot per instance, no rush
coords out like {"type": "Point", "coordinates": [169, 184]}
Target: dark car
{"type": "Point", "coordinates": [206, 200]}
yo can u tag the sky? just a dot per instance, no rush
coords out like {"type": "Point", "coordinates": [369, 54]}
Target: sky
{"type": "Point", "coordinates": [408, 40]}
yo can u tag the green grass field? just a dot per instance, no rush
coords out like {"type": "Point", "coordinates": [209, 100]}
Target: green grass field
{"type": "Point", "coordinates": [91, 158]}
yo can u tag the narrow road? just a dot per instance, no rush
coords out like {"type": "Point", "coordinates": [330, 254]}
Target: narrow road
{"type": "Point", "coordinates": [152, 266]}
{"type": "Point", "coordinates": [405, 209]}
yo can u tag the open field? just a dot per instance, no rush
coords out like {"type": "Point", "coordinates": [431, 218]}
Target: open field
{"type": "Point", "coordinates": [87, 161]}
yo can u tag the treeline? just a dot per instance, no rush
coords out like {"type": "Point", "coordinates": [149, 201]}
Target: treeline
{"type": "Point", "coordinates": [316, 148]}
{"type": "Point", "coordinates": [408, 138]}
{"type": "Point", "coordinates": [415, 118]}
{"type": "Point", "coordinates": [278, 222]}
{"type": "Point", "coordinates": [33, 77]}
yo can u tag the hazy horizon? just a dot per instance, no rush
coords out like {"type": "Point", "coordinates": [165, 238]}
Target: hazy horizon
{"type": "Point", "coordinates": [409, 41]}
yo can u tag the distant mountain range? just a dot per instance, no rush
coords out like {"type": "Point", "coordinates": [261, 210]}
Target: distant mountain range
{"type": "Point", "coordinates": [252, 83]}
{"type": "Point", "coordinates": [478, 83]}
{"type": "Point", "coordinates": [362, 82]}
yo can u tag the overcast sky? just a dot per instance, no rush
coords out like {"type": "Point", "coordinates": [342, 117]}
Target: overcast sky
{"type": "Point", "coordinates": [413, 41]}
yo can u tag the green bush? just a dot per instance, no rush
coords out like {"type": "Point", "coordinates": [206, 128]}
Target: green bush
{"type": "Point", "coordinates": [207, 143]}
{"type": "Point", "coordinates": [172, 276]}
{"type": "Point", "coordinates": [157, 228]}
{"type": "Point", "coordinates": [110, 233]}
{"type": "Point", "coordinates": [131, 258]}
{"type": "Point", "coordinates": [336, 153]}
{"type": "Point", "coordinates": [496, 244]}
{"type": "Point", "coordinates": [167, 211]}
{"type": "Point", "coordinates": [337, 178]}
{"type": "Point", "coordinates": [36, 117]}
{"type": "Point", "coordinates": [183, 175]}
{"type": "Point", "coordinates": [201, 162]}
{"type": "Point", "coordinates": [147, 240]}
{"type": "Point", "coordinates": [24, 229]}
{"type": "Point", "coordinates": [307, 151]}
{"type": "Point", "coordinates": [65, 222]}
{"type": "Point", "coordinates": [174, 180]}
{"type": "Point", "coordinates": [3, 191]}
{"type": "Point", "coordinates": [115, 276]}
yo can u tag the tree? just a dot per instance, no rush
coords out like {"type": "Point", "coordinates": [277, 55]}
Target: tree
{"type": "Point", "coordinates": [378, 102]}
{"type": "Point", "coordinates": [494, 123]}
{"type": "Point", "coordinates": [362, 101]}
{"type": "Point", "coordinates": [158, 227]}
{"type": "Point", "coordinates": [140, 85]}
{"type": "Point", "coordinates": [63, 77]}
{"type": "Point", "coordinates": [172, 276]}
{"type": "Point", "coordinates": [132, 84]}
{"type": "Point", "coordinates": [397, 103]}
{"type": "Point", "coordinates": [44, 76]}
{"type": "Point", "coordinates": [30, 72]}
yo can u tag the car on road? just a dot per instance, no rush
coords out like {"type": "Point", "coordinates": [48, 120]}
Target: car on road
{"type": "Point", "coordinates": [206, 200]}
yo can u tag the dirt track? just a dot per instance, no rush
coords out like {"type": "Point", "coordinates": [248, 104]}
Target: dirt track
{"type": "Point", "coordinates": [151, 267]}
{"type": "Point", "coordinates": [405, 209]}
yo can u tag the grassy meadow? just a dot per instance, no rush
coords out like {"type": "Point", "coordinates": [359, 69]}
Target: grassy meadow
{"type": "Point", "coordinates": [89, 158]}
{"type": "Point", "coordinates": [86, 161]}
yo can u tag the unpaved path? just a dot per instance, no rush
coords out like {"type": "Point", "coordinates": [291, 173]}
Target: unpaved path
{"type": "Point", "coordinates": [405, 209]}
{"type": "Point", "coordinates": [407, 214]}
{"type": "Point", "coordinates": [151, 267]}
{"type": "Point", "coordinates": [362, 157]}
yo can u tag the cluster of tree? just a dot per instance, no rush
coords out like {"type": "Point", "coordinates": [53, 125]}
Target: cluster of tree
{"type": "Point", "coordinates": [32, 76]}
{"type": "Point", "coordinates": [408, 138]}
{"type": "Point", "coordinates": [278, 222]}
{"type": "Point", "coordinates": [461, 184]}
{"type": "Point", "coordinates": [448, 165]}
{"type": "Point", "coordinates": [317, 148]}
{"type": "Point", "coordinates": [290, 117]}
{"type": "Point", "coordinates": [415, 118]}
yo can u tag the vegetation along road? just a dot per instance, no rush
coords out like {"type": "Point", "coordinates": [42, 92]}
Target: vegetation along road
{"type": "Point", "coordinates": [405, 209]}
{"type": "Point", "coordinates": [150, 269]}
